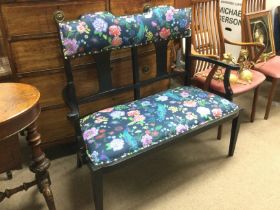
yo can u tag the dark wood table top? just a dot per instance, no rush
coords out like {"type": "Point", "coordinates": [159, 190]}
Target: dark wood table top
{"type": "Point", "coordinates": [19, 107]}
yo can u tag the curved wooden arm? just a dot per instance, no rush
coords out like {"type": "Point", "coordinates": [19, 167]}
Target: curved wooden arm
{"type": "Point", "coordinates": [256, 44]}
{"type": "Point", "coordinates": [215, 62]}
{"type": "Point", "coordinates": [212, 71]}
{"type": "Point", "coordinates": [228, 69]}
{"type": "Point", "coordinates": [193, 51]}
{"type": "Point", "coordinates": [249, 44]}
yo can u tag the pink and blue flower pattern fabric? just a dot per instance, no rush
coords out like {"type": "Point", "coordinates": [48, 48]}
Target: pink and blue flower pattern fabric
{"type": "Point", "coordinates": [93, 33]}
{"type": "Point", "coordinates": [120, 131]}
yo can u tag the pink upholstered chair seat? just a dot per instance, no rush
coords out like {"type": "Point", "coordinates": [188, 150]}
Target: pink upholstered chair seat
{"type": "Point", "coordinates": [270, 68]}
{"type": "Point", "coordinates": [218, 85]}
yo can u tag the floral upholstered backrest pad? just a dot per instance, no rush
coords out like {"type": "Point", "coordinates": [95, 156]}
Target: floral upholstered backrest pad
{"type": "Point", "coordinates": [94, 33]}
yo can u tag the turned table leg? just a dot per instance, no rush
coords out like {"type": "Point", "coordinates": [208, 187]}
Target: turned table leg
{"type": "Point", "coordinates": [40, 165]}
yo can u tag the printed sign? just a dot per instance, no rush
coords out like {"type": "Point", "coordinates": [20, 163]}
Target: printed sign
{"type": "Point", "coordinates": [231, 23]}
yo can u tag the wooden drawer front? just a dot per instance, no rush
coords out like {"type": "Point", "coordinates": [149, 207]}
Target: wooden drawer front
{"type": "Point", "coordinates": [122, 73]}
{"type": "Point", "coordinates": [37, 18]}
{"type": "Point", "coordinates": [131, 6]}
{"type": "Point", "coordinates": [37, 54]}
{"type": "Point", "coordinates": [2, 50]}
{"type": "Point", "coordinates": [42, 54]}
{"type": "Point", "coordinates": [147, 66]}
{"type": "Point", "coordinates": [45, 54]}
{"type": "Point", "coordinates": [54, 126]}
{"type": "Point", "coordinates": [51, 85]}
{"type": "Point", "coordinates": [154, 88]}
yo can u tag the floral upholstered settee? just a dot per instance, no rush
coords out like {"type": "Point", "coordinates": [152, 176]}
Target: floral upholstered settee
{"type": "Point", "coordinates": [117, 135]}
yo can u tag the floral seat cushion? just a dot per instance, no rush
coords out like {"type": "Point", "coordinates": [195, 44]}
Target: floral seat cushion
{"type": "Point", "coordinates": [124, 130]}
{"type": "Point", "coordinates": [270, 67]}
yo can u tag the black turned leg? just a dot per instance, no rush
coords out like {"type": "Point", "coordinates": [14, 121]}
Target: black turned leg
{"type": "Point", "coordinates": [234, 134]}
{"type": "Point", "coordinates": [79, 160]}
{"type": "Point", "coordinates": [220, 131]}
{"type": "Point", "coordinates": [80, 152]}
{"type": "Point", "coordinates": [97, 184]}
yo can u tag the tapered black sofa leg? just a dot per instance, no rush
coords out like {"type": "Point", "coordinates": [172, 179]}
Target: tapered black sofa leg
{"type": "Point", "coordinates": [234, 134]}
{"type": "Point", "coordinates": [79, 160]}
{"type": "Point", "coordinates": [97, 184]}
{"type": "Point", "coordinates": [220, 132]}
{"type": "Point", "coordinates": [80, 152]}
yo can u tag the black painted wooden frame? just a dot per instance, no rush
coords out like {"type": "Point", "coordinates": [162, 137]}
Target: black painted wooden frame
{"type": "Point", "coordinates": [105, 85]}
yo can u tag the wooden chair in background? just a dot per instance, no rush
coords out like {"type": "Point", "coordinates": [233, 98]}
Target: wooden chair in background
{"type": "Point", "coordinates": [270, 68]}
{"type": "Point", "coordinates": [249, 6]}
{"type": "Point", "coordinates": [208, 40]}
{"type": "Point", "coordinates": [277, 31]}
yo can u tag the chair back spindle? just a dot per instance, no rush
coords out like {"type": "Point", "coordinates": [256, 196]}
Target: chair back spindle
{"type": "Point", "coordinates": [207, 36]}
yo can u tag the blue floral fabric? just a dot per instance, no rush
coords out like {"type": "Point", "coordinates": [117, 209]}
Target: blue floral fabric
{"type": "Point", "coordinates": [95, 32]}
{"type": "Point", "coordinates": [120, 131]}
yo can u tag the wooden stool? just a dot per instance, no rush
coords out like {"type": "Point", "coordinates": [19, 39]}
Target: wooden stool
{"type": "Point", "coordinates": [19, 109]}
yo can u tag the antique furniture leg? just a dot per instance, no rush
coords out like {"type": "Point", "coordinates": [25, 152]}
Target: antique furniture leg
{"type": "Point", "coordinates": [254, 105]}
{"type": "Point", "coordinates": [97, 184]}
{"type": "Point", "coordinates": [220, 131]}
{"type": "Point", "coordinates": [39, 165]}
{"type": "Point", "coordinates": [9, 192]}
{"type": "Point", "coordinates": [270, 97]}
{"type": "Point", "coordinates": [79, 152]}
{"type": "Point", "coordinates": [234, 134]}
{"type": "Point", "coordinates": [79, 161]}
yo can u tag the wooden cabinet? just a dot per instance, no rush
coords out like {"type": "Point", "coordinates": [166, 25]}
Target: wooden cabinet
{"type": "Point", "coordinates": [118, 7]}
{"type": "Point", "coordinates": [27, 18]}
{"type": "Point", "coordinates": [181, 4]}
{"type": "Point", "coordinates": [2, 51]}
{"type": "Point", "coordinates": [30, 35]}
{"type": "Point", "coordinates": [5, 70]}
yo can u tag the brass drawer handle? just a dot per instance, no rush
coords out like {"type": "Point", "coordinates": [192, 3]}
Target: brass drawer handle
{"type": "Point", "coordinates": [146, 7]}
{"type": "Point", "coordinates": [145, 69]}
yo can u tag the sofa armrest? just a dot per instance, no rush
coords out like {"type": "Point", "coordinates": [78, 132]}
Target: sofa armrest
{"type": "Point", "coordinates": [227, 67]}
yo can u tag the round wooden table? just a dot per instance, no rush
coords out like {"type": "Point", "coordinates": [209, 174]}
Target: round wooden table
{"type": "Point", "coordinates": [19, 110]}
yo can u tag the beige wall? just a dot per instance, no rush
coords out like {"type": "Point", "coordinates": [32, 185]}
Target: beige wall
{"type": "Point", "coordinates": [270, 4]}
